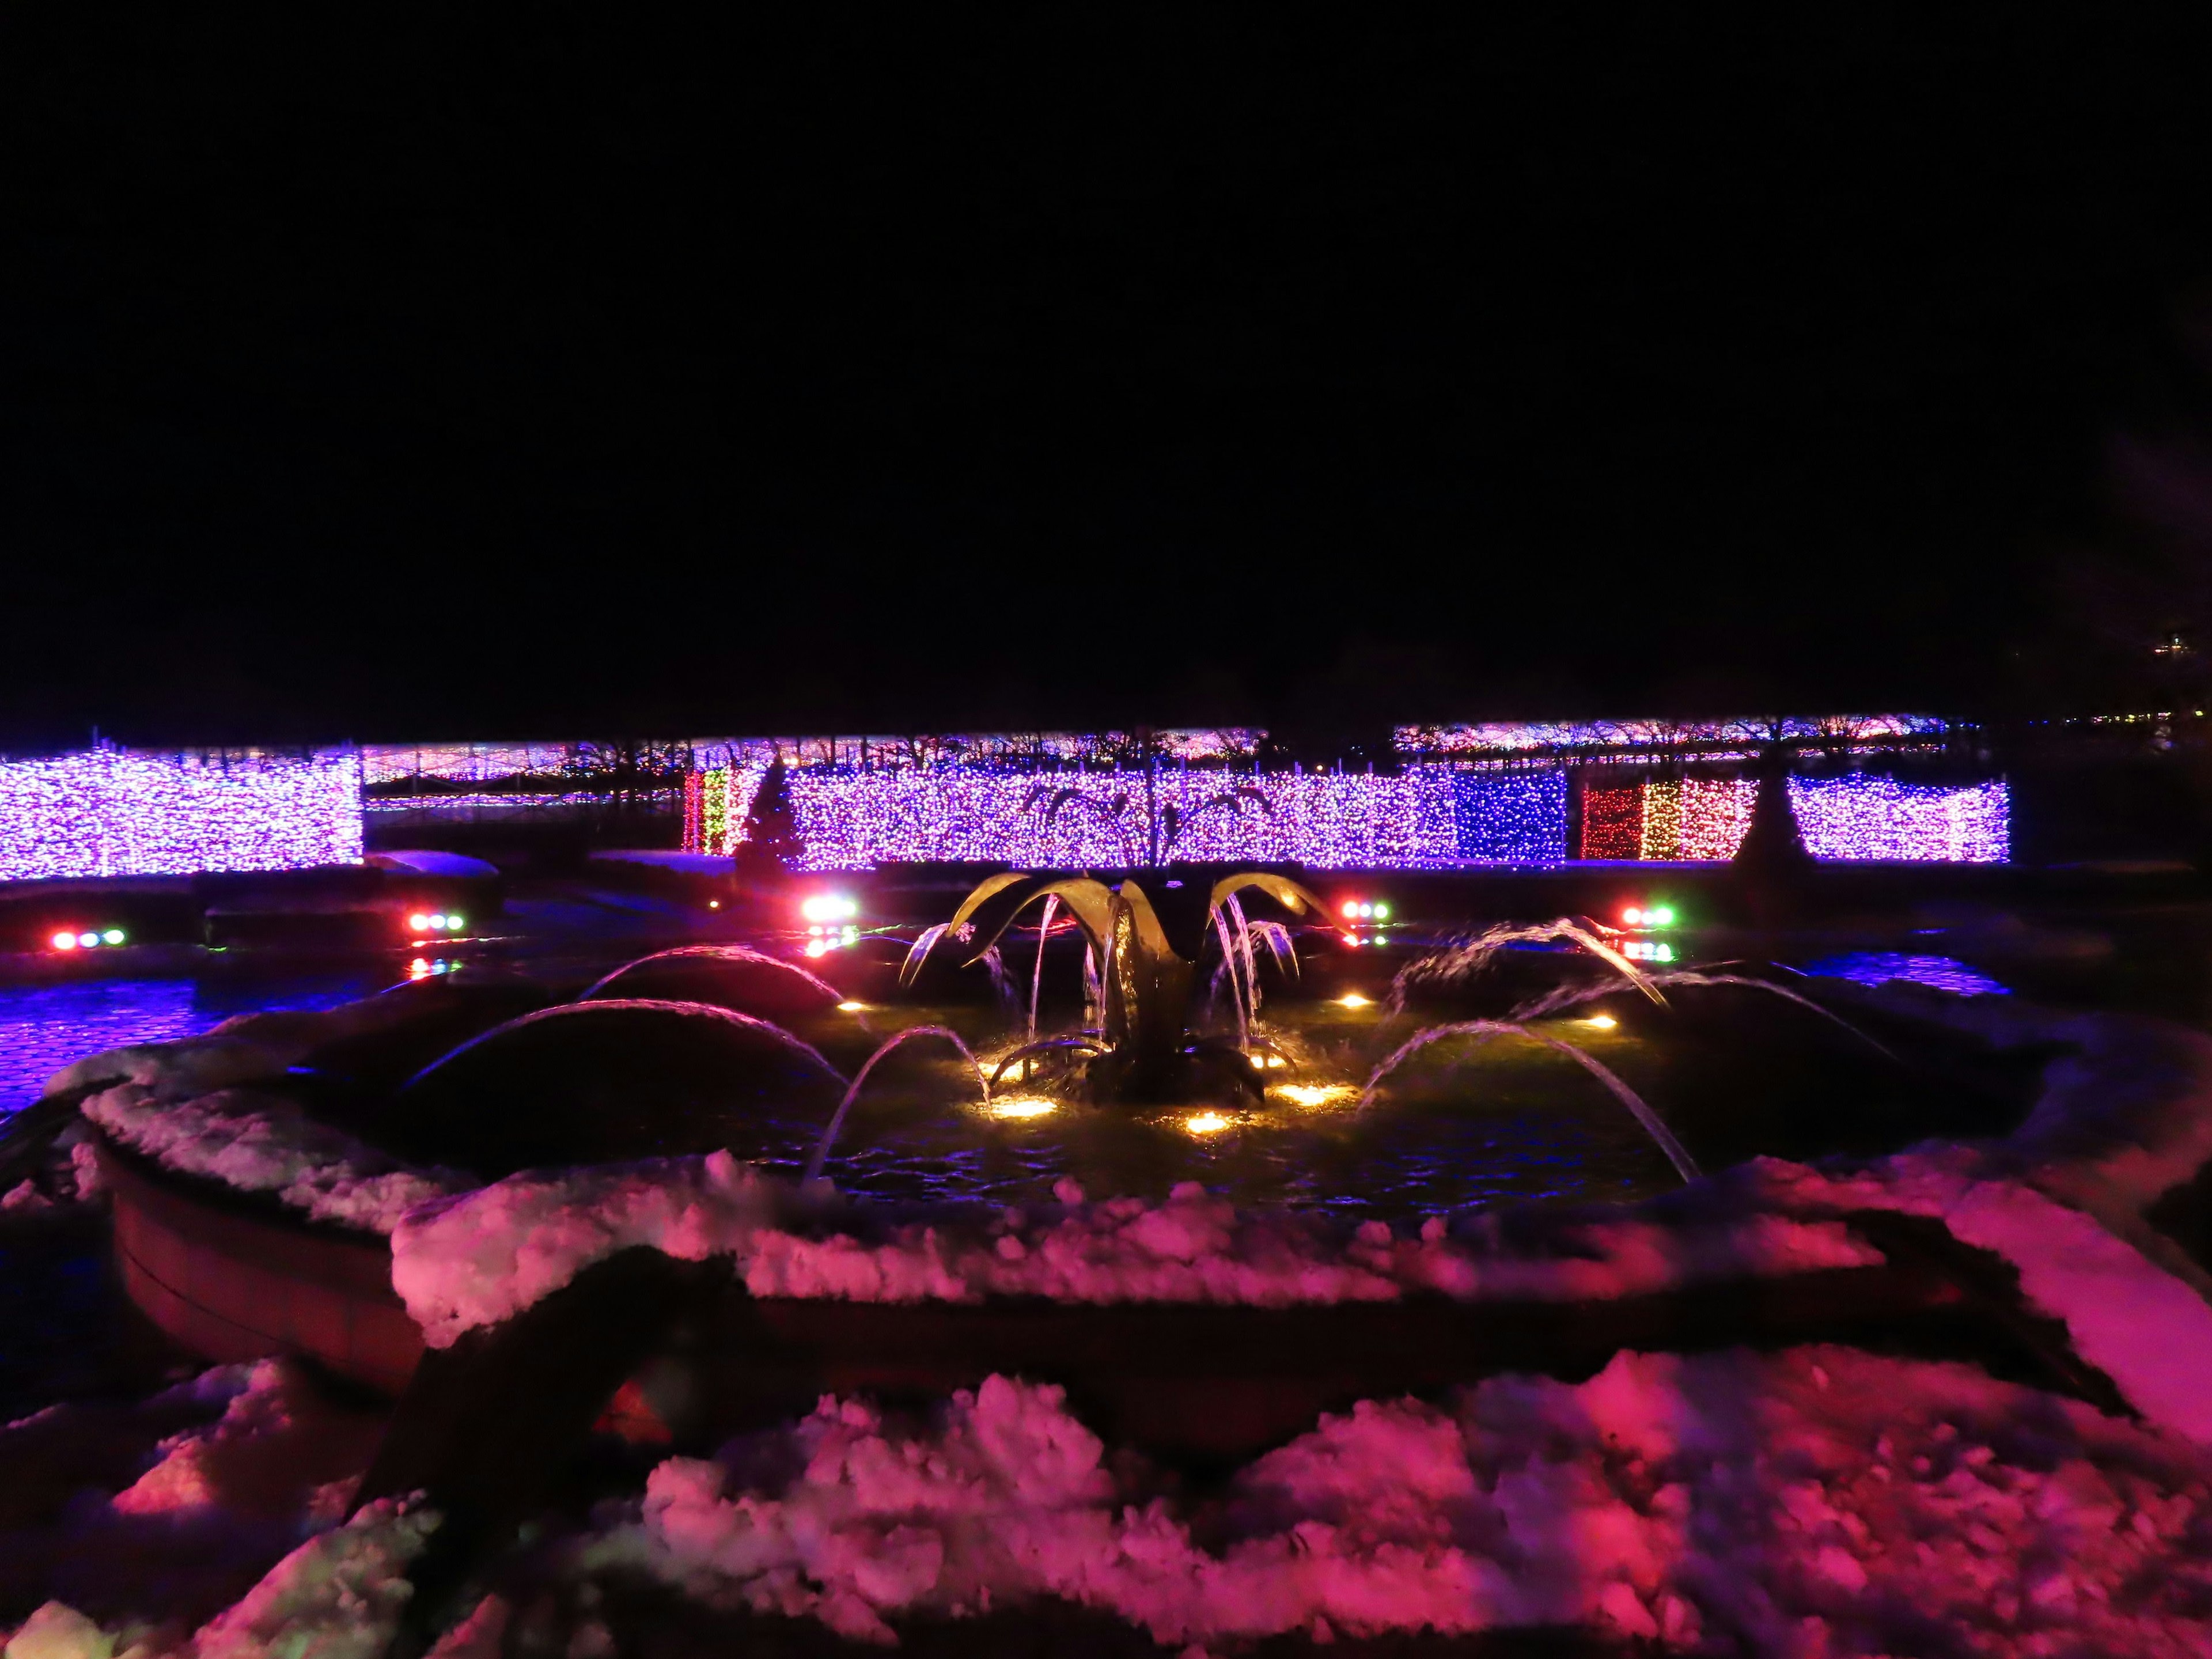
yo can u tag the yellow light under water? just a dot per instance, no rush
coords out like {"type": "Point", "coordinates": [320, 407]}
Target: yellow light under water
{"type": "Point", "coordinates": [1027, 1106]}
{"type": "Point", "coordinates": [1353, 999]}
{"type": "Point", "coordinates": [1205, 1124]}
{"type": "Point", "coordinates": [1315, 1094]}
{"type": "Point", "coordinates": [1601, 1022]}
{"type": "Point", "coordinates": [850, 1007]}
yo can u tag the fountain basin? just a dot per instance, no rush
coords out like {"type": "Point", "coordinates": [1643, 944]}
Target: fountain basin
{"type": "Point", "coordinates": [230, 1278]}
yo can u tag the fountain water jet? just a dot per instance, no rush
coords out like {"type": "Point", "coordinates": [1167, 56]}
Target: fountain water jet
{"type": "Point", "coordinates": [719, 952]}
{"type": "Point", "coordinates": [1685, 1166]}
{"type": "Point", "coordinates": [821, 1155]}
{"type": "Point", "coordinates": [1571, 996]}
{"type": "Point", "coordinates": [1466, 958]}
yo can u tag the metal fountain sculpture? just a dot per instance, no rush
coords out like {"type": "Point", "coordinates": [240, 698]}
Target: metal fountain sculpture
{"type": "Point", "coordinates": [1143, 1047]}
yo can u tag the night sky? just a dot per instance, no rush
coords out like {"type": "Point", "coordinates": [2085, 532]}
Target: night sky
{"type": "Point", "coordinates": [417, 374]}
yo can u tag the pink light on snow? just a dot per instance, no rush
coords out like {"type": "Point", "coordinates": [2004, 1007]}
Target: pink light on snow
{"type": "Point", "coordinates": [112, 813]}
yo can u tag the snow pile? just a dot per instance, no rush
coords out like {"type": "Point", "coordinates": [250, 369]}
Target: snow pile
{"type": "Point", "coordinates": [143, 1520]}
{"type": "Point", "coordinates": [242, 1048]}
{"type": "Point", "coordinates": [2147, 1330]}
{"type": "Point", "coordinates": [483, 1256]}
{"type": "Point", "coordinates": [336, 1596]}
{"type": "Point", "coordinates": [261, 1143]}
{"type": "Point", "coordinates": [480, 1257]}
{"type": "Point", "coordinates": [1817, 1501]}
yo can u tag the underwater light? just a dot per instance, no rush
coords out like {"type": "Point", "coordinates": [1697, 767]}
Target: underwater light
{"type": "Point", "coordinates": [1027, 1106]}
{"type": "Point", "coordinates": [1205, 1124]}
{"type": "Point", "coordinates": [1353, 999]}
{"type": "Point", "coordinates": [1601, 1022]}
{"type": "Point", "coordinates": [1315, 1094]}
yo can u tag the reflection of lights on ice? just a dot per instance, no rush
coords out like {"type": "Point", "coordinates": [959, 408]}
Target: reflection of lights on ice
{"type": "Point", "coordinates": [1601, 1022]}
{"type": "Point", "coordinates": [1205, 1124]}
{"type": "Point", "coordinates": [1315, 1094]}
{"type": "Point", "coordinates": [850, 1007]}
{"type": "Point", "coordinates": [1027, 1106]}
{"type": "Point", "coordinates": [1353, 999]}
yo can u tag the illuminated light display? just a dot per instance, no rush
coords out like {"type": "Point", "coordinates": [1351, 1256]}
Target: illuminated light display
{"type": "Point", "coordinates": [1507, 738]}
{"type": "Point", "coordinates": [1026, 1106]}
{"type": "Point", "coordinates": [715, 802]}
{"type": "Point", "coordinates": [112, 813]}
{"type": "Point", "coordinates": [1207, 1123]}
{"type": "Point", "coordinates": [1612, 820]}
{"type": "Point", "coordinates": [1510, 817]}
{"type": "Point", "coordinates": [1714, 815]}
{"type": "Point", "coordinates": [1860, 817]}
{"type": "Point", "coordinates": [1662, 835]}
{"type": "Point", "coordinates": [1353, 999]}
{"type": "Point", "coordinates": [1855, 818]}
{"type": "Point", "coordinates": [852, 819]}
{"type": "Point", "coordinates": [829, 906]}
{"type": "Point", "coordinates": [495, 805]}
{"type": "Point", "coordinates": [64, 941]}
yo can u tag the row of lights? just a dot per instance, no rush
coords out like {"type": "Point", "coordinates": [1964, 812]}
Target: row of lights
{"type": "Point", "coordinates": [88, 940]}
{"type": "Point", "coordinates": [435, 922]}
{"type": "Point", "coordinates": [1361, 910]}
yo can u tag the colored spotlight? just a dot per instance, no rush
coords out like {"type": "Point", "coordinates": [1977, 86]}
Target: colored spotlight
{"type": "Point", "coordinates": [1381, 913]}
{"type": "Point", "coordinates": [87, 940]}
{"type": "Point", "coordinates": [419, 922]}
{"type": "Point", "coordinates": [1351, 909]}
{"type": "Point", "coordinates": [850, 1007]}
{"type": "Point", "coordinates": [454, 922]}
{"type": "Point", "coordinates": [112, 936]}
{"type": "Point", "coordinates": [1631, 917]}
{"type": "Point", "coordinates": [1662, 917]}
{"type": "Point", "coordinates": [1353, 999]}
{"type": "Point", "coordinates": [64, 941]}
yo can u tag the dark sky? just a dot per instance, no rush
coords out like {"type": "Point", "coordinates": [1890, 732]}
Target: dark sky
{"type": "Point", "coordinates": [410, 374]}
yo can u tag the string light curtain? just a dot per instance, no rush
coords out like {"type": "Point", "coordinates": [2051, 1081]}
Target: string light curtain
{"type": "Point", "coordinates": [114, 813]}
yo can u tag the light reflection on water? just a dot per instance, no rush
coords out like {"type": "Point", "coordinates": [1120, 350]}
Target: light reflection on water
{"type": "Point", "coordinates": [1877, 967]}
{"type": "Point", "coordinates": [45, 1027]}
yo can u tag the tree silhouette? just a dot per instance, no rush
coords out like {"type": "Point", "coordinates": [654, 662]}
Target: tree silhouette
{"type": "Point", "coordinates": [771, 849]}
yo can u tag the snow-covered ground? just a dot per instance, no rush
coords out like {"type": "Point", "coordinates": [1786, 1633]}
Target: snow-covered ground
{"type": "Point", "coordinates": [1817, 1501]}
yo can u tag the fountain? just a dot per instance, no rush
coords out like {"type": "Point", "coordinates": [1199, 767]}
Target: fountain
{"type": "Point", "coordinates": [1145, 1049]}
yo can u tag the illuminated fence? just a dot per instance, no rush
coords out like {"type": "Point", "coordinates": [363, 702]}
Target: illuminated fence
{"type": "Point", "coordinates": [1426, 816]}
{"type": "Point", "coordinates": [1855, 819]}
{"type": "Point", "coordinates": [112, 813]}
{"type": "Point", "coordinates": [850, 820]}
{"type": "Point", "coordinates": [1870, 818]}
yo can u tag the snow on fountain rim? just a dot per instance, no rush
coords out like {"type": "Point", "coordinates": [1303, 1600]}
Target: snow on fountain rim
{"type": "Point", "coordinates": [258, 1142]}
{"type": "Point", "coordinates": [477, 1258]}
